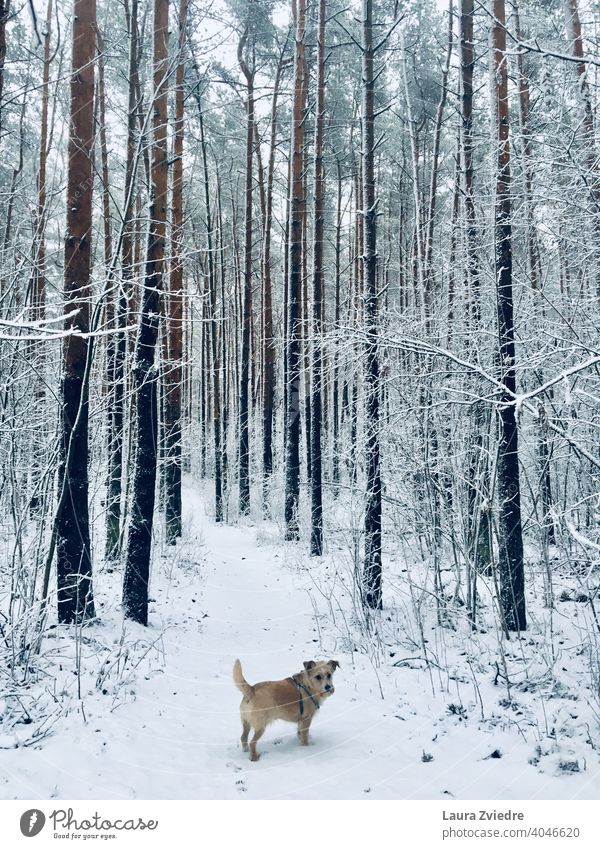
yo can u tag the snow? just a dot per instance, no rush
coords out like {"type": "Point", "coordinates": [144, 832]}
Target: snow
{"type": "Point", "coordinates": [153, 713]}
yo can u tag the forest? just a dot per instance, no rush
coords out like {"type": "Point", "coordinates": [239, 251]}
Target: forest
{"type": "Point", "coordinates": [299, 355]}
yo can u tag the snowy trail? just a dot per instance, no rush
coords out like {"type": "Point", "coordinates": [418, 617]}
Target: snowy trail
{"type": "Point", "coordinates": [173, 731]}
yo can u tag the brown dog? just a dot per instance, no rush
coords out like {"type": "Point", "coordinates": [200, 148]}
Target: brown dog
{"type": "Point", "coordinates": [294, 699]}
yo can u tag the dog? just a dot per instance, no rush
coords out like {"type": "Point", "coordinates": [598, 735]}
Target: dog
{"type": "Point", "coordinates": [294, 699]}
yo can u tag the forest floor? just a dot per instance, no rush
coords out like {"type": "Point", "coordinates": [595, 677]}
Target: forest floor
{"type": "Point", "coordinates": [153, 713]}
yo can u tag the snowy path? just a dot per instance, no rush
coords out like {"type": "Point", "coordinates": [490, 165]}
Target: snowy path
{"type": "Point", "coordinates": [173, 731]}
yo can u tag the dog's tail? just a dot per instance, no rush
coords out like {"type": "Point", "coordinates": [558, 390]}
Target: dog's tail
{"type": "Point", "coordinates": [240, 681]}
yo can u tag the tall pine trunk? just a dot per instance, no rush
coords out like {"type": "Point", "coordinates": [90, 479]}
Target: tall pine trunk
{"type": "Point", "coordinates": [74, 563]}
{"type": "Point", "coordinates": [219, 364]}
{"type": "Point", "coordinates": [139, 541]}
{"type": "Point", "coordinates": [294, 289]}
{"type": "Point", "coordinates": [479, 524]}
{"type": "Point", "coordinates": [268, 375]}
{"type": "Point", "coordinates": [3, 17]}
{"type": "Point", "coordinates": [173, 369]}
{"type": "Point", "coordinates": [38, 288]}
{"type": "Point", "coordinates": [371, 580]}
{"type": "Point", "coordinates": [244, 410]}
{"type": "Point", "coordinates": [592, 178]}
{"type": "Point", "coordinates": [336, 406]}
{"type": "Point", "coordinates": [510, 540]}
{"type": "Point", "coordinates": [316, 414]}
{"type": "Point", "coordinates": [122, 296]}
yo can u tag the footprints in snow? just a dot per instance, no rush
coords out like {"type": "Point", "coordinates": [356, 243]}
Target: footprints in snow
{"type": "Point", "coordinates": [240, 784]}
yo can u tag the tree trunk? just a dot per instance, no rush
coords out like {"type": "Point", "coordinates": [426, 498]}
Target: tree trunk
{"type": "Point", "coordinates": [119, 343]}
{"type": "Point", "coordinates": [336, 411]}
{"type": "Point", "coordinates": [478, 530]}
{"type": "Point", "coordinates": [139, 542]}
{"type": "Point", "coordinates": [592, 178]}
{"type": "Point", "coordinates": [467, 62]}
{"type": "Point", "coordinates": [294, 330]}
{"type": "Point", "coordinates": [512, 581]}
{"type": "Point", "coordinates": [74, 563]}
{"type": "Point", "coordinates": [437, 135]}
{"type": "Point", "coordinates": [173, 373]}
{"type": "Point", "coordinates": [4, 7]}
{"type": "Point", "coordinates": [38, 288]}
{"type": "Point", "coordinates": [218, 362]}
{"type": "Point", "coordinates": [316, 415]}
{"type": "Point", "coordinates": [268, 375]}
{"type": "Point", "coordinates": [244, 410]}
{"type": "Point", "coordinates": [527, 158]}
{"type": "Point", "coordinates": [371, 579]}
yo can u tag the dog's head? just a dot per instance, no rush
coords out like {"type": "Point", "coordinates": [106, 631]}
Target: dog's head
{"type": "Point", "coordinates": [318, 676]}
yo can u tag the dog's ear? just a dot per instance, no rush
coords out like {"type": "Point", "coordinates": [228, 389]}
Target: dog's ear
{"type": "Point", "coordinates": [334, 663]}
{"type": "Point", "coordinates": [308, 664]}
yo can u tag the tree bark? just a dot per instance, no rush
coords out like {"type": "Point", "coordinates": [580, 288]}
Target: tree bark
{"type": "Point", "coordinates": [244, 409]}
{"type": "Point", "coordinates": [371, 579]}
{"type": "Point", "coordinates": [139, 541]}
{"type": "Point", "coordinates": [74, 563]}
{"type": "Point", "coordinates": [592, 178]}
{"type": "Point", "coordinates": [294, 329]}
{"type": "Point", "coordinates": [510, 540]}
{"type": "Point", "coordinates": [217, 354]}
{"type": "Point", "coordinates": [316, 416]}
{"type": "Point", "coordinates": [268, 374]}
{"type": "Point", "coordinates": [4, 9]}
{"type": "Point", "coordinates": [38, 288]}
{"type": "Point", "coordinates": [122, 296]}
{"type": "Point", "coordinates": [173, 369]}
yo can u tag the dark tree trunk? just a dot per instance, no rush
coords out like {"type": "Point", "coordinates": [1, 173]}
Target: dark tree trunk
{"type": "Point", "coordinates": [139, 542]}
{"type": "Point", "coordinates": [510, 541]}
{"type": "Point", "coordinates": [217, 354]}
{"type": "Point", "coordinates": [371, 579]}
{"type": "Point", "coordinates": [467, 61]}
{"type": "Point", "coordinates": [294, 286]}
{"type": "Point", "coordinates": [74, 563]}
{"type": "Point", "coordinates": [4, 7]}
{"type": "Point", "coordinates": [527, 157]}
{"type": "Point", "coordinates": [336, 411]}
{"type": "Point", "coordinates": [268, 375]}
{"type": "Point", "coordinates": [244, 410]}
{"type": "Point", "coordinates": [316, 465]}
{"type": "Point", "coordinates": [173, 374]}
{"type": "Point", "coordinates": [117, 369]}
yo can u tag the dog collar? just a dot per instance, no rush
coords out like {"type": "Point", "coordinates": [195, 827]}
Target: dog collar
{"type": "Point", "coordinates": [308, 693]}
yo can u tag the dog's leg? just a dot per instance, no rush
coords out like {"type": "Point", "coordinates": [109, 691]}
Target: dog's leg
{"type": "Point", "coordinates": [258, 733]}
{"type": "Point", "coordinates": [244, 737]}
{"type": "Point", "coordinates": [303, 726]}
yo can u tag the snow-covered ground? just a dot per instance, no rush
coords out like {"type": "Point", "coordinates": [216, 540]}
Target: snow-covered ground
{"type": "Point", "coordinates": [153, 713]}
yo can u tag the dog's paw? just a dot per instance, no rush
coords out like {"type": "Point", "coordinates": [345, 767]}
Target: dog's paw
{"type": "Point", "coordinates": [255, 757]}
{"type": "Point", "coordinates": [245, 747]}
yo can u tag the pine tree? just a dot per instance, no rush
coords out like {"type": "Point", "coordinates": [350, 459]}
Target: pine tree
{"type": "Point", "coordinates": [371, 579]}
{"type": "Point", "coordinates": [139, 541]}
{"type": "Point", "coordinates": [316, 417]}
{"type": "Point", "coordinates": [74, 560]}
{"type": "Point", "coordinates": [173, 371]}
{"type": "Point", "coordinates": [297, 202]}
{"type": "Point", "coordinates": [510, 539]}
